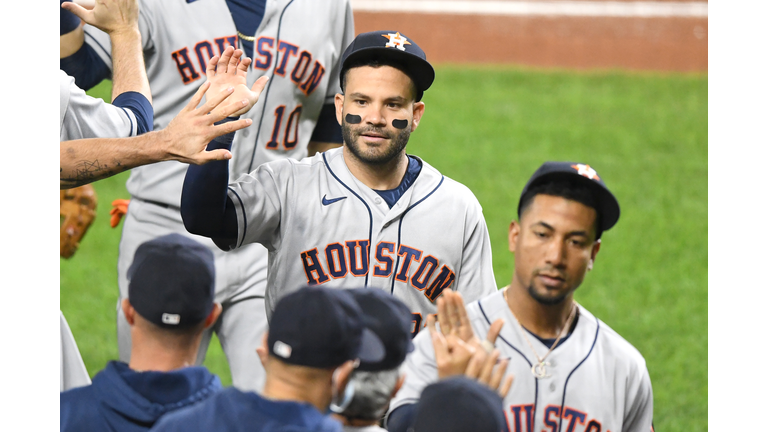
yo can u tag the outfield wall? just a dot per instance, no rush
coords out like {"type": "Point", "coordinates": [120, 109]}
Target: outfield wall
{"type": "Point", "coordinates": [657, 35]}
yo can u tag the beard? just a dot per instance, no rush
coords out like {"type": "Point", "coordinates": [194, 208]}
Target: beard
{"type": "Point", "coordinates": [544, 299]}
{"type": "Point", "coordinates": [374, 156]}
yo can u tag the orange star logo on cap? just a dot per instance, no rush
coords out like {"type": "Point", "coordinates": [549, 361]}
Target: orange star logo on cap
{"type": "Point", "coordinates": [587, 171]}
{"type": "Point", "coordinates": [396, 41]}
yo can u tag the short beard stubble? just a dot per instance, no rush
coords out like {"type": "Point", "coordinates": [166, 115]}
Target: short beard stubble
{"type": "Point", "coordinates": [397, 143]}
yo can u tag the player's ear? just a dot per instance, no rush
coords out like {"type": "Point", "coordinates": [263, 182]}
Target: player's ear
{"type": "Point", "coordinates": [128, 311]}
{"type": "Point", "coordinates": [338, 100]}
{"type": "Point", "coordinates": [213, 316]}
{"type": "Point", "coordinates": [514, 234]}
{"type": "Point", "coordinates": [593, 254]}
{"type": "Point", "coordinates": [418, 111]}
{"type": "Point", "coordinates": [263, 351]}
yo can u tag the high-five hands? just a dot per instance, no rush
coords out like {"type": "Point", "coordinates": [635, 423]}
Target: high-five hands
{"type": "Point", "coordinates": [231, 71]}
{"type": "Point", "coordinates": [459, 351]}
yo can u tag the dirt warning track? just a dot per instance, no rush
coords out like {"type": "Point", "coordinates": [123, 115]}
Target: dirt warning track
{"type": "Point", "coordinates": [661, 35]}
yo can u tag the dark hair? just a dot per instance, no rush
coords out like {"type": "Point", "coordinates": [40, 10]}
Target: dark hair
{"type": "Point", "coordinates": [376, 62]}
{"type": "Point", "coordinates": [564, 188]}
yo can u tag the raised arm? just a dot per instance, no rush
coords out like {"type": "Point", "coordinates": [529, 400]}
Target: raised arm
{"type": "Point", "coordinates": [185, 139]}
{"type": "Point", "coordinates": [205, 208]}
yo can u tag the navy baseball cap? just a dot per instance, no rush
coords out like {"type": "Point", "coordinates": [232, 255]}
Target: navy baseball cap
{"type": "Point", "coordinates": [391, 320]}
{"type": "Point", "coordinates": [172, 281]}
{"type": "Point", "coordinates": [321, 328]}
{"type": "Point", "coordinates": [607, 205]}
{"type": "Point", "coordinates": [390, 45]}
{"type": "Point", "coordinates": [459, 404]}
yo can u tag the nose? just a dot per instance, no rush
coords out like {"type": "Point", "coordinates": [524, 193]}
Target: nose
{"type": "Point", "coordinates": [556, 251]}
{"type": "Point", "coordinates": [374, 116]}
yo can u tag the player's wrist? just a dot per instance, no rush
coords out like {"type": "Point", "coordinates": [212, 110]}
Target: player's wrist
{"type": "Point", "coordinates": [124, 33]}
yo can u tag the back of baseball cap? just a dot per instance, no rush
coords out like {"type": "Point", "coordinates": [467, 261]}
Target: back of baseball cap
{"type": "Point", "coordinates": [459, 404]}
{"type": "Point", "coordinates": [172, 281]}
{"type": "Point", "coordinates": [391, 320]}
{"type": "Point", "coordinates": [321, 328]}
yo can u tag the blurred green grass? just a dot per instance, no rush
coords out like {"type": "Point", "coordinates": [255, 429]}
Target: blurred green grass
{"type": "Point", "coordinates": [490, 128]}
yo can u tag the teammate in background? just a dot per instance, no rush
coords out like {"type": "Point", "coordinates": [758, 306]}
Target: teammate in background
{"type": "Point", "coordinates": [131, 111]}
{"type": "Point", "coordinates": [94, 143]}
{"type": "Point", "coordinates": [364, 214]}
{"type": "Point", "coordinates": [373, 384]}
{"type": "Point", "coordinates": [570, 368]}
{"type": "Point", "coordinates": [297, 43]}
{"type": "Point", "coordinates": [316, 338]}
{"type": "Point", "coordinates": [171, 303]}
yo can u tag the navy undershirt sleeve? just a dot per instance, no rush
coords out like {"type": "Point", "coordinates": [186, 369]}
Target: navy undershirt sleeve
{"type": "Point", "coordinates": [140, 106]}
{"type": "Point", "coordinates": [327, 129]}
{"type": "Point", "coordinates": [86, 67]}
{"type": "Point", "coordinates": [205, 207]}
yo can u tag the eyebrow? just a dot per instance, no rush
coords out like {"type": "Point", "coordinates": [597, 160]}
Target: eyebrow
{"type": "Point", "coordinates": [389, 99]}
{"type": "Point", "coordinates": [570, 234]}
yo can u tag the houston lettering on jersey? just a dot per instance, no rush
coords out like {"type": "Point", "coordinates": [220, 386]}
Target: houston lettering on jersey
{"type": "Point", "coordinates": [191, 62]}
{"type": "Point", "coordinates": [338, 260]}
{"type": "Point", "coordinates": [305, 72]}
{"type": "Point", "coordinates": [520, 419]}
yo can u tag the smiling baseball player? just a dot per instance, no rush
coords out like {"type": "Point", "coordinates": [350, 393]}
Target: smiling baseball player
{"type": "Point", "coordinates": [571, 371]}
{"type": "Point", "coordinates": [298, 44]}
{"type": "Point", "coordinates": [364, 214]}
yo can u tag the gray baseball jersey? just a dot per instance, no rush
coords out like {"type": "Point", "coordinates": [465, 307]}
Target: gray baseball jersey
{"type": "Point", "coordinates": [323, 226]}
{"type": "Point", "coordinates": [298, 44]}
{"type": "Point", "coordinates": [72, 372]}
{"type": "Point", "coordinates": [82, 116]}
{"type": "Point", "coordinates": [598, 381]}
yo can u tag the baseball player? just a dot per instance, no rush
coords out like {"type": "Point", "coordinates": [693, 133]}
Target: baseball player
{"type": "Point", "coordinates": [130, 114]}
{"type": "Point", "coordinates": [571, 371]}
{"type": "Point", "coordinates": [364, 214]}
{"type": "Point", "coordinates": [297, 43]}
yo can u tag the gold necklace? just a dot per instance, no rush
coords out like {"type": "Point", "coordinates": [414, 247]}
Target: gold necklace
{"type": "Point", "coordinates": [539, 370]}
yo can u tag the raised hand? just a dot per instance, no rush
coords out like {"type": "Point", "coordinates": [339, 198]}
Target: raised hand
{"type": "Point", "coordinates": [189, 133]}
{"type": "Point", "coordinates": [110, 16]}
{"type": "Point", "coordinates": [231, 71]}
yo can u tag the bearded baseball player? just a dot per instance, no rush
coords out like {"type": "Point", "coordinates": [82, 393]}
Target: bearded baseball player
{"type": "Point", "coordinates": [298, 44]}
{"type": "Point", "coordinates": [571, 371]}
{"type": "Point", "coordinates": [365, 214]}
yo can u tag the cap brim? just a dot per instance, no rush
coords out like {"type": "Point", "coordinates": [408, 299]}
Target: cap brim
{"type": "Point", "coordinates": [371, 347]}
{"type": "Point", "coordinates": [422, 73]}
{"type": "Point", "coordinates": [607, 203]}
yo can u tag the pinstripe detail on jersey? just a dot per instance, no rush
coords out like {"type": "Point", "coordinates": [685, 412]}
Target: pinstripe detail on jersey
{"type": "Point", "coordinates": [536, 392]}
{"type": "Point", "coordinates": [400, 230]}
{"type": "Point", "coordinates": [565, 386]}
{"type": "Point", "coordinates": [245, 219]}
{"type": "Point", "coordinates": [370, 215]}
{"type": "Point", "coordinates": [266, 94]}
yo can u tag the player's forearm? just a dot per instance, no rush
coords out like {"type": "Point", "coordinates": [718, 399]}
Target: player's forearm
{"type": "Point", "coordinates": [205, 206]}
{"type": "Point", "coordinates": [70, 42]}
{"type": "Point", "coordinates": [88, 160]}
{"type": "Point", "coordinates": [128, 71]}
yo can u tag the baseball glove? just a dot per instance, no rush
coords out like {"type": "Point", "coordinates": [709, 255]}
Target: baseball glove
{"type": "Point", "coordinates": [77, 211]}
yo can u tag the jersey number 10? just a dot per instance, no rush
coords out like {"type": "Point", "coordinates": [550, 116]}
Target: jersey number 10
{"type": "Point", "coordinates": [291, 134]}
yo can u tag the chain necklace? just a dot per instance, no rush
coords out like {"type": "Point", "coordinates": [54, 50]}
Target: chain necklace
{"type": "Point", "coordinates": [539, 370]}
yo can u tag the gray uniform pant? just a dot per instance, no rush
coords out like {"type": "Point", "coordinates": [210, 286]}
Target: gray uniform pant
{"type": "Point", "coordinates": [241, 278]}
